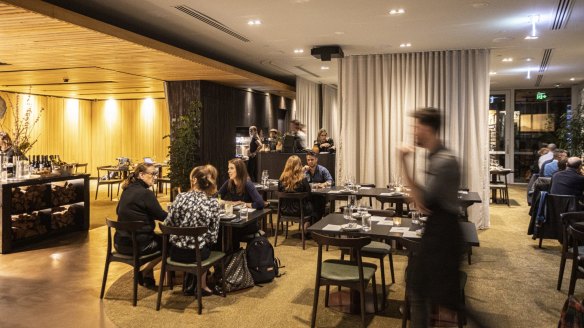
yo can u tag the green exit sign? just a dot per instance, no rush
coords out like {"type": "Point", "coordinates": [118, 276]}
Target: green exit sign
{"type": "Point", "coordinates": [540, 96]}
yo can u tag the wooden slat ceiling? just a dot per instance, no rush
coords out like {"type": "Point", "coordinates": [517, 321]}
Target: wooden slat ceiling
{"type": "Point", "coordinates": [48, 50]}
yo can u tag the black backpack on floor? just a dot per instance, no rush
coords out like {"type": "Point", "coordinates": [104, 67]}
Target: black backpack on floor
{"type": "Point", "coordinates": [261, 262]}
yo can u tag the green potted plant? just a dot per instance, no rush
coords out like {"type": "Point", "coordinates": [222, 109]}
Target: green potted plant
{"type": "Point", "coordinates": [185, 146]}
{"type": "Point", "coordinates": [570, 133]}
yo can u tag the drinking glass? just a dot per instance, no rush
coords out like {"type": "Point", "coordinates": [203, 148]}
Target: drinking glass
{"type": "Point", "coordinates": [366, 220]}
{"type": "Point", "coordinates": [352, 201]}
{"type": "Point", "coordinates": [397, 221]}
{"type": "Point", "coordinates": [347, 213]}
{"type": "Point", "coordinates": [265, 176]}
{"type": "Point", "coordinates": [415, 217]}
{"type": "Point", "coordinates": [228, 209]}
{"type": "Point", "coordinates": [243, 214]}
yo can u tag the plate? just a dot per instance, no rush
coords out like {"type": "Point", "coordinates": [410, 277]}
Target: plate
{"type": "Point", "coordinates": [356, 215]}
{"type": "Point", "coordinates": [227, 217]}
{"type": "Point", "coordinates": [396, 193]}
{"type": "Point", "coordinates": [356, 227]}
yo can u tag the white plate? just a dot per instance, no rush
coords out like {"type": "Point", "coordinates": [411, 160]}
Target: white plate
{"type": "Point", "coordinates": [424, 218]}
{"type": "Point", "coordinates": [227, 217]}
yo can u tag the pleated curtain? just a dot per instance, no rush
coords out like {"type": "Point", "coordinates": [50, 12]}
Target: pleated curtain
{"type": "Point", "coordinates": [330, 111]}
{"type": "Point", "coordinates": [377, 95]}
{"type": "Point", "coordinates": [308, 107]}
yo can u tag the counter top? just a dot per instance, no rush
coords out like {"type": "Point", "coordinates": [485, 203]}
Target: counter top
{"type": "Point", "coordinates": [13, 182]}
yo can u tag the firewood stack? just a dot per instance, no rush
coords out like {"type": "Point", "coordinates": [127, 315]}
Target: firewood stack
{"type": "Point", "coordinates": [62, 217]}
{"type": "Point", "coordinates": [63, 194]}
{"type": "Point", "coordinates": [27, 199]}
{"type": "Point", "coordinates": [27, 225]}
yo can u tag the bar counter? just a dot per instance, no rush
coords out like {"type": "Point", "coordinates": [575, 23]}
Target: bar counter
{"type": "Point", "coordinates": [274, 162]}
{"type": "Point", "coordinates": [39, 208]}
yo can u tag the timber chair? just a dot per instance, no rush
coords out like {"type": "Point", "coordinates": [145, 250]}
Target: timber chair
{"type": "Point", "coordinates": [136, 260]}
{"type": "Point", "coordinates": [568, 219]}
{"type": "Point", "coordinates": [352, 274]}
{"type": "Point", "coordinates": [577, 237]}
{"type": "Point", "coordinates": [110, 182]}
{"type": "Point", "coordinates": [301, 198]}
{"type": "Point", "coordinates": [198, 268]}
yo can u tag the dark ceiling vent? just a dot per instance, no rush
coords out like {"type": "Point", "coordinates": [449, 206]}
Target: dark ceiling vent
{"type": "Point", "coordinates": [210, 21]}
{"type": "Point", "coordinates": [538, 80]}
{"type": "Point", "coordinates": [562, 14]}
{"type": "Point", "coordinates": [545, 60]}
{"type": "Point", "coordinates": [307, 71]}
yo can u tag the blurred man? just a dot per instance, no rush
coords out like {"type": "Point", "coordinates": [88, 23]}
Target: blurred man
{"type": "Point", "coordinates": [550, 167]}
{"type": "Point", "coordinates": [433, 275]}
{"type": "Point", "coordinates": [546, 157]}
{"type": "Point", "coordinates": [569, 181]}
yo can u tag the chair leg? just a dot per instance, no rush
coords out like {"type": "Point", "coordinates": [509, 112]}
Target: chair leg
{"type": "Point", "coordinates": [315, 303]}
{"type": "Point", "coordinates": [302, 232]}
{"type": "Point", "coordinates": [391, 268]}
{"type": "Point", "coordinates": [105, 270]}
{"type": "Point", "coordinates": [160, 284]}
{"type": "Point", "coordinates": [327, 289]}
{"type": "Point", "coordinates": [374, 287]}
{"type": "Point", "coordinates": [199, 294]}
{"type": "Point", "coordinates": [573, 277]}
{"type": "Point", "coordinates": [276, 233]}
{"type": "Point", "coordinates": [223, 265]}
{"type": "Point", "coordinates": [111, 192]}
{"type": "Point", "coordinates": [97, 190]}
{"type": "Point", "coordinates": [469, 254]}
{"type": "Point", "coordinates": [406, 314]}
{"type": "Point", "coordinates": [561, 273]}
{"type": "Point", "coordinates": [362, 299]}
{"type": "Point", "coordinates": [135, 295]}
{"type": "Point", "coordinates": [119, 189]}
{"type": "Point", "coordinates": [170, 278]}
{"type": "Point", "coordinates": [383, 290]}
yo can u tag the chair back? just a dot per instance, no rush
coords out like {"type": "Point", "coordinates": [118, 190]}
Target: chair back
{"type": "Point", "coordinates": [383, 213]}
{"type": "Point", "coordinates": [355, 244]}
{"type": "Point", "coordinates": [568, 219]}
{"type": "Point", "coordinates": [128, 226]}
{"type": "Point", "coordinates": [194, 232]}
{"type": "Point", "coordinates": [556, 205]}
{"type": "Point", "coordinates": [369, 185]}
{"type": "Point", "coordinates": [577, 237]}
{"type": "Point", "coordinates": [300, 197]}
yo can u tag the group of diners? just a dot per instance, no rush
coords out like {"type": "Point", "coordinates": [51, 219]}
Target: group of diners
{"type": "Point", "coordinates": [199, 207]}
{"type": "Point", "coordinates": [565, 172]}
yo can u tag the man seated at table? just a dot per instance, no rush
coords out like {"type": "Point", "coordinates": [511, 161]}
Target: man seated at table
{"type": "Point", "coordinates": [546, 157]}
{"type": "Point", "coordinates": [570, 181]}
{"type": "Point", "coordinates": [550, 168]}
{"type": "Point", "coordinates": [319, 177]}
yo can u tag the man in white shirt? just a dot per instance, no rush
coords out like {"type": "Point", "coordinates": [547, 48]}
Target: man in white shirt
{"type": "Point", "coordinates": [548, 156]}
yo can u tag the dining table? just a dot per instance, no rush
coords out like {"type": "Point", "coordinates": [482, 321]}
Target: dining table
{"type": "Point", "coordinates": [227, 223]}
{"type": "Point", "coordinates": [382, 228]}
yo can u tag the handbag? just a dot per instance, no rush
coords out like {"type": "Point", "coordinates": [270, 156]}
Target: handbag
{"type": "Point", "coordinates": [237, 275]}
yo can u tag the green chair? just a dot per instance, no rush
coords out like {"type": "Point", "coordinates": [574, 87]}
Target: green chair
{"type": "Point", "coordinates": [135, 260]}
{"type": "Point", "coordinates": [197, 268]}
{"type": "Point", "coordinates": [353, 274]}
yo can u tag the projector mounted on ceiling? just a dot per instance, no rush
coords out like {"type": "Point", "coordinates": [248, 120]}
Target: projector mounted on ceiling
{"type": "Point", "coordinates": [325, 53]}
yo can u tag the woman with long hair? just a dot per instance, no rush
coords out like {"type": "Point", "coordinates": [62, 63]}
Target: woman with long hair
{"type": "Point", "coordinates": [323, 142]}
{"type": "Point", "coordinates": [293, 179]}
{"type": "Point", "coordinates": [139, 203]}
{"type": "Point", "coordinates": [195, 208]}
{"type": "Point", "coordinates": [239, 190]}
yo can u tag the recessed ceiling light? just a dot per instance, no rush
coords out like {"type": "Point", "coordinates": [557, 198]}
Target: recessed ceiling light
{"type": "Point", "coordinates": [298, 51]}
{"type": "Point", "coordinates": [492, 73]}
{"type": "Point", "coordinates": [480, 5]}
{"type": "Point", "coordinates": [572, 79]}
{"type": "Point", "coordinates": [405, 45]}
{"type": "Point", "coordinates": [531, 37]}
{"type": "Point", "coordinates": [339, 33]}
{"type": "Point", "coordinates": [528, 59]}
{"type": "Point", "coordinates": [324, 67]}
{"type": "Point", "coordinates": [254, 22]}
{"type": "Point", "coordinates": [507, 59]}
{"type": "Point", "coordinates": [397, 11]}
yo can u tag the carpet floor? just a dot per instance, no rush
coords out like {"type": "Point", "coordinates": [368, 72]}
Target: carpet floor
{"type": "Point", "coordinates": [511, 283]}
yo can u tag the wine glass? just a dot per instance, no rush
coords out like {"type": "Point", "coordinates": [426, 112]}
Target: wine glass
{"type": "Point", "coordinates": [352, 201]}
{"type": "Point", "coordinates": [265, 176]}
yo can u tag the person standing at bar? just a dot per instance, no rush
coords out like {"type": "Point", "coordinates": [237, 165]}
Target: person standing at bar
{"type": "Point", "coordinates": [296, 130]}
{"type": "Point", "coordinates": [254, 147]}
{"type": "Point", "coordinates": [433, 273]}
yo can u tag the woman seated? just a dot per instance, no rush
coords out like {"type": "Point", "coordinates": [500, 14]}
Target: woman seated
{"type": "Point", "coordinates": [323, 143]}
{"type": "Point", "coordinates": [138, 203]}
{"type": "Point", "coordinates": [195, 208]}
{"type": "Point", "coordinates": [239, 190]}
{"type": "Point", "coordinates": [293, 179]}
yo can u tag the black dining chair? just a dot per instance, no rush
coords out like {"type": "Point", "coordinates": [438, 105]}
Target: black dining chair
{"type": "Point", "coordinates": [136, 260]}
{"type": "Point", "coordinates": [352, 274]}
{"type": "Point", "coordinates": [568, 219]}
{"type": "Point", "coordinates": [577, 237]}
{"type": "Point", "coordinates": [555, 206]}
{"type": "Point", "coordinates": [301, 198]}
{"type": "Point", "coordinates": [197, 268]}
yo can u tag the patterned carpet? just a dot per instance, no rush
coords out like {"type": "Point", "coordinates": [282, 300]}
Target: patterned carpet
{"type": "Point", "coordinates": [511, 283]}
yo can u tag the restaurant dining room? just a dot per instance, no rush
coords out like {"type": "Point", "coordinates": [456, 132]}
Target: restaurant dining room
{"type": "Point", "coordinates": [294, 163]}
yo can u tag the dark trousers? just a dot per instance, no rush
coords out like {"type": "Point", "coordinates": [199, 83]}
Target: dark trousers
{"type": "Point", "coordinates": [187, 255]}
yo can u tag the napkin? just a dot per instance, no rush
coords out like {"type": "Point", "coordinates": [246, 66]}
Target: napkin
{"type": "Point", "coordinates": [332, 227]}
{"type": "Point", "coordinates": [399, 229]}
{"type": "Point", "coordinates": [385, 222]}
{"type": "Point", "coordinates": [249, 210]}
{"type": "Point", "coordinates": [377, 218]}
{"type": "Point", "coordinates": [365, 188]}
{"type": "Point", "coordinates": [334, 192]}
{"type": "Point", "coordinates": [411, 234]}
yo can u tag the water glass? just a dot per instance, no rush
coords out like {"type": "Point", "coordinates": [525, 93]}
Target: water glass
{"type": "Point", "coordinates": [352, 201]}
{"type": "Point", "coordinates": [415, 217]}
{"type": "Point", "coordinates": [228, 208]}
{"type": "Point", "coordinates": [366, 222]}
{"type": "Point", "coordinates": [347, 212]}
{"type": "Point", "coordinates": [243, 214]}
{"type": "Point", "coordinates": [397, 221]}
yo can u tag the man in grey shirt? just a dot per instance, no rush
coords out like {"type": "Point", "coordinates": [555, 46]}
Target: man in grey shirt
{"type": "Point", "coordinates": [433, 272]}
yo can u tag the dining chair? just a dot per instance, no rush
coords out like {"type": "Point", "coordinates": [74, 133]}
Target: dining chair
{"type": "Point", "coordinates": [568, 219]}
{"type": "Point", "coordinates": [135, 260]}
{"type": "Point", "coordinates": [413, 247]}
{"type": "Point", "coordinates": [101, 172]}
{"type": "Point", "coordinates": [352, 274]}
{"type": "Point", "coordinates": [301, 198]}
{"type": "Point", "coordinates": [555, 206]}
{"type": "Point", "coordinates": [197, 268]}
{"type": "Point", "coordinates": [577, 237]}
{"type": "Point", "coordinates": [83, 165]}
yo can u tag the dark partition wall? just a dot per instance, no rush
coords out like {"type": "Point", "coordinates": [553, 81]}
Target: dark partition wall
{"type": "Point", "coordinates": [224, 109]}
